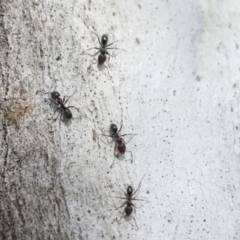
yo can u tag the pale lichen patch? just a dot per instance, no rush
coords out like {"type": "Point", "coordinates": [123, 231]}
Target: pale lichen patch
{"type": "Point", "coordinates": [15, 107]}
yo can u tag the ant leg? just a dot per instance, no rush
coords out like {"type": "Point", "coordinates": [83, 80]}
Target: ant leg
{"type": "Point", "coordinates": [107, 67]}
{"type": "Point", "coordinates": [58, 115]}
{"type": "Point", "coordinates": [106, 135]}
{"type": "Point", "coordinates": [115, 148]}
{"type": "Point", "coordinates": [111, 43]}
{"type": "Point", "coordinates": [131, 156]}
{"type": "Point", "coordinates": [113, 162]}
{"type": "Point", "coordinates": [84, 116]}
{"type": "Point", "coordinates": [65, 101]}
{"type": "Point", "coordinates": [120, 218]}
{"type": "Point", "coordinates": [135, 221]}
{"type": "Point", "coordinates": [90, 49]}
{"type": "Point", "coordinates": [99, 41]}
{"type": "Point", "coordinates": [90, 66]}
{"type": "Point", "coordinates": [108, 73]}
{"type": "Point", "coordinates": [121, 129]}
{"type": "Point", "coordinates": [97, 37]}
{"type": "Point", "coordinates": [114, 48]}
{"type": "Point", "coordinates": [73, 107]}
{"type": "Point", "coordinates": [135, 212]}
{"type": "Point", "coordinates": [95, 53]}
{"type": "Point", "coordinates": [108, 55]}
{"type": "Point", "coordinates": [139, 185]}
{"type": "Point", "coordinates": [122, 204]}
{"type": "Point", "coordinates": [41, 91]}
{"type": "Point", "coordinates": [128, 140]}
{"type": "Point", "coordinates": [124, 193]}
{"type": "Point", "coordinates": [133, 134]}
{"type": "Point", "coordinates": [121, 198]}
{"type": "Point", "coordinates": [121, 125]}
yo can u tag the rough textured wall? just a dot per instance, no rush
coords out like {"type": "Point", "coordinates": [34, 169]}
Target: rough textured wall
{"type": "Point", "coordinates": [176, 85]}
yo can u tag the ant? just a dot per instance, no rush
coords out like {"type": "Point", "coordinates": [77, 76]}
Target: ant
{"type": "Point", "coordinates": [120, 144]}
{"type": "Point", "coordinates": [65, 111]}
{"type": "Point", "coordinates": [102, 50]}
{"type": "Point", "coordinates": [129, 205]}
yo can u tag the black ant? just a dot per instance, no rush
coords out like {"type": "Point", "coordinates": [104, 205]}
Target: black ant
{"type": "Point", "coordinates": [102, 50]}
{"type": "Point", "coordinates": [65, 111]}
{"type": "Point", "coordinates": [129, 205]}
{"type": "Point", "coordinates": [120, 144]}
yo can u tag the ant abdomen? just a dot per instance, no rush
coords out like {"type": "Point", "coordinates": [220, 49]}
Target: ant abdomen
{"type": "Point", "coordinates": [128, 209]}
{"type": "Point", "coordinates": [67, 114]}
{"type": "Point", "coordinates": [101, 59]}
{"type": "Point", "coordinates": [121, 147]}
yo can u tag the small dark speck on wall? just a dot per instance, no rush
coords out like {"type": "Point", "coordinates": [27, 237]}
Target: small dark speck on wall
{"type": "Point", "coordinates": [198, 78]}
{"type": "Point", "coordinates": [137, 41]}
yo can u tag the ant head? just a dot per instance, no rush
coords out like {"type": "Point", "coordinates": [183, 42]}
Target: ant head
{"type": "Point", "coordinates": [67, 114]}
{"type": "Point", "coordinates": [113, 129]}
{"type": "Point", "coordinates": [55, 95]}
{"type": "Point", "coordinates": [104, 39]}
{"type": "Point", "coordinates": [101, 59]}
{"type": "Point", "coordinates": [129, 191]}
